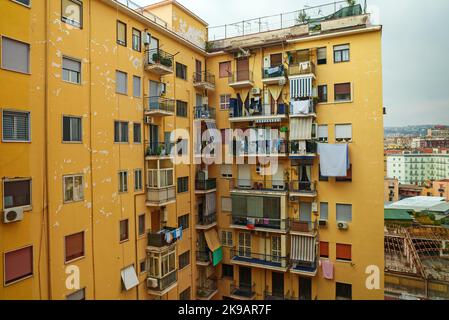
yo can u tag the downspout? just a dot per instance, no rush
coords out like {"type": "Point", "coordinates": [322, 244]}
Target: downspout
{"type": "Point", "coordinates": [136, 229]}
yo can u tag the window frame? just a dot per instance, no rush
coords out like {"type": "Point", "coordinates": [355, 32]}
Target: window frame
{"type": "Point", "coordinates": [229, 267]}
{"type": "Point", "coordinates": [339, 140]}
{"type": "Point", "coordinates": [318, 60]}
{"type": "Point", "coordinates": [118, 41]}
{"type": "Point", "coordinates": [71, 71]}
{"type": "Point", "coordinates": [341, 52]}
{"type": "Point", "coordinates": [120, 133]}
{"type": "Point", "coordinates": [76, 291]}
{"type": "Point", "coordinates": [22, 4]}
{"type": "Point", "coordinates": [25, 207]}
{"type": "Point", "coordinates": [183, 255]}
{"type": "Point", "coordinates": [229, 70]}
{"type": "Point", "coordinates": [183, 69]}
{"type": "Point", "coordinates": [12, 282]}
{"type": "Point", "coordinates": [336, 293]}
{"type": "Point", "coordinates": [182, 115]}
{"type": "Point", "coordinates": [336, 211]}
{"type": "Point", "coordinates": [134, 133]}
{"type": "Point", "coordinates": [69, 22]}
{"type": "Point", "coordinates": [326, 93]}
{"type": "Point", "coordinates": [140, 87]}
{"type": "Point", "coordinates": [139, 234]}
{"type": "Point", "coordinates": [327, 244]}
{"type": "Point", "coordinates": [224, 106]}
{"type": "Point", "coordinates": [350, 93]}
{"type": "Point", "coordinates": [1, 55]}
{"type": "Point", "coordinates": [185, 217]}
{"type": "Point", "coordinates": [65, 247]}
{"type": "Point", "coordinates": [182, 179]}
{"type": "Point", "coordinates": [120, 189]}
{"type": "Point", "coordinates": [28, 113]}
{"type": "Point", "coordinates": [139, 42]}
{"type": "Point", "coordinates": [81, 129]}
{"type": "Point", "coordinates": [228, 239]}
{"type": "Point", "coordinates": [120, 230]}
{"type": "Point", "coordinates": [73, 176]}
{"type": "Point", "coordinates": [340, 259]}
{"type": "Point", "coordinates": [140, 186]}
{"type": "Point", "coordinates": [125, 93]}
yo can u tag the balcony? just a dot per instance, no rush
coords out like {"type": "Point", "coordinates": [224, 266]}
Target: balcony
{"type": "Point", "coordinates": [203, 257]}
{"type": "Point", "coordinates": [303, 108]}
{"type": "Point", "coordinates": [160, 189]}
{"type": "Point", "coordinates": [204, 81]}
{"type": "Point", "coordinates": [158, 150]}
{"type": "Point", "coordinates": [159, 107]}
{"type": "Point", "coordinates": [259, 113]}
{"type": "Point", "coordinates": [157, 241]}
{"type": "Point", "coordinates": [268, 148]}
{"type": "Point", "coordinates": [204, 113]}
{"type": "Point", "coordinates": [243, 292]}
{"type": "Point", "coordinates": [299, 149]}
{"type": "Point", "coordinates": [161, 286]}
{"type": "Point", "coordinates": [306, 228]}
{"type": "Point", "coordinates": [207, 290]}
{"type": "Point", "coordinates": [204, 222]}
{"type": "Point", "coordinates": [159, 62]}
{"type": "Point", "coordinates": [205, 185]}
{"type": "Point", "coordinates": [259, 224]}
{"type": "Point", "coordinates": [303, 189]}
{"type": "Point", "coordinates": [259, 260]}
{"type": "Point", "coordinates": [304, 268]}
{"type": "Point", "coordinates": [302, 68]}
{"type": "Point", "coordinates": [268, 295]}
{"type": "Point", "coordinates": [253, 186]}
{"type": "Point", "coordinates": [241, 79]}
{"type": "Point", "coordinates": [273, 75]}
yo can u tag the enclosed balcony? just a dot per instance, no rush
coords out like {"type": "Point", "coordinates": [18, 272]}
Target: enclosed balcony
{"type": "Point", "coordinates": [203, 257]}
{"type": "Point", "coordinates": [303, 108]}
{"type": "Point", "coordinates": [302, 148]}
{"type": "Point", "coordinates": [243, 291]}
{"type": "Point", "coordinates": [260, 260]}
{"type": "Point", "coordinates": [274, 75]}
{"type": "Point", "coordinates": [160, 189]}
{"type": "Point", "coordinates": [302, 68]}
{"type": "Point", "coordinates": [165, 237]}
{"type": "Point", "coordinates": [303, 189]}
{"type": "Point", "coordinates": [258, 186]}
{"type": "Point", "coordinates": [259, 113]}
{"type": "Point", "coordinates": [206, 289]}
{"type": "Point", "coordinates": [300, 227]}
{"type": "Point", "coordinates": [206, 221]}
{"type": "Point", "coordinates": [259, 223]}
{"type": "Point", "coordinates": [159, 62]}
{"type": "Point", "coordinates": [269, 148]}
{"type": "Point", "coordinates": [205, 185]}
{"type": "Point", "coordinates": [161, 286]}
{"type": "Point", "coordinates": [204, 80]}
{"type": "Point", "coordinates": [241, 79]}
{"type": "Point", "coordinates": [159, 106]}
{"type": "Point", "coordinates": [303, 247]}
{"type": "Point", "coordinates": [204, 113]}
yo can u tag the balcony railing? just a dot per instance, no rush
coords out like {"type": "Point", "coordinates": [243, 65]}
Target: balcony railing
{"type": "Point", "coordinates": [206, 289]}
{"type": "Point", "coordinates": [159, 239]}
{"type": "Point", "coordinates": [273, 72]}
{"type": "Point", "coordinates": [259, 185]}
{"type": "Point", "coordinates": [159, 57]}
{"type": "Point", "coordinates": [301, 68]}
{"type": "Point", "coordinates": [204, 112]}
{"type": "Point", "coordinates": [240, 76]}
{"type": "Point", "coordinates": [204, 220]}
{"type": "Point", "coordinates": [205, 184]}
{"type": "Point", "coordinates": [243, 256]}
{"type": "Point", "coordinates": [160, 196]}
{"type": "Point", "coordinates": [304, 266]}
{"type": "Point", "coordinates": [297, 225]}
{"type": "Point", "coordinates": [156, 103]}
{"type": "Point", "coordinates": [302, 107]}
{"type": "Point", "coordinates": [258, 110]}
{"type": "Point", "coordinates": [243, 291]}
{"type": "Point", "coordinates": [204, 77]}
{"type": "Point", "coordinates": [306, 187]}
{"type": "Point", "coordinates": [252, 222]}
{"type": "Point", "coordinates": [295, 150]}
{"type": "Point", "coordinates": [261, 147]}
{"type": "Point", "coordinates": [203, 256]}
{"type": "Point", "coordinates": [268, 295]}
{"type": "Point", "coordinates": [165, 282]}
{"type": "Point", "coordinates": [159, 149]}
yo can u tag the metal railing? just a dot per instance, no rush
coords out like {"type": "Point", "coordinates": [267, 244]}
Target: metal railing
{"type": "Point", "coordinates": [205, 184]}
{"type": "Point", "coordinates": [273, 72]}
{"type": "Point", "coordinates": [160, 149]}
{"type": "Point", "coordinates": [161, 195]}
{"type": "Point", "coordinates": [158, 239]}
{"type": "Point", "coordinates": [138, 8]}
{"type": "Point", "coordinates": [159, 104]}
{"type": "Point", "coordinates": [166, 281]}
{"type": "Point", "coordinates": [300, 68]}
{"type": "Point", "coordinates": [311, 147]}
{"type": "Point", "coordinates": [203, 256]}
{"type": "Point", "coordinates": [240, 76]}
{"type": "Point", "coordinates": [203, 77]}
{"type": "Point", "coordinates": [258, 222]}
{"type": "Point", "coordinates": [205, 289]}
{"type": "Point", "coordinates": [258, 110]}
{"type": "Point", "coordinates": [246, 291]}
{"type": "Point", "coordinates": [262, 185]}
{"type": "Point", "coordinates": [204, 112]}
{"type": "Point", "coordinates": [303, 186]}
{"type": "Point", "coordinates": [309, 104]}
{"type": "Point", "coordinates": [158, 56]}
{"type": "Point", "coordinates": [262, 147]}
{"type": "Point", "coordinates": [204, 220]}
{"type": "Point", "coordinates": [304, 266]}
{"type": "Point", "coordinates": [297, 225]}
{"type": "Point", "coordinates": [259, 258]}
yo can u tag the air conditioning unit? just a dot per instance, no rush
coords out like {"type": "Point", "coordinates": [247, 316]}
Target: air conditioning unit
{"type": "Point", "coordinates": [151, 283]}
{"type": "Point", "coordinates": [255, 91]}
{"type": "Point", "coordinates": [342, 225]}
{"type": "Point", "coordinates": [322, 223]}
{"type": "Point", "coordinates": [282, 82]}
{"type": "Point", "coordinates": [147, 39]}
{"type": "Point", "coordinates": [13, 215]}
{"type": "Point", "coordinates": [163, 88]}
{"type": "Point", "coordinates": [314, 207]}
{"type": "Point", "coordinates": [148, 120]}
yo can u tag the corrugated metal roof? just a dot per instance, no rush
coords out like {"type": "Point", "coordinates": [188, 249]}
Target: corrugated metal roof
{"type": "Point", "coordinates": [397, 214]}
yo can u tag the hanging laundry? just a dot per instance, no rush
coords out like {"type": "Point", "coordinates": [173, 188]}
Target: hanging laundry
{"type": "Point", "coordinates": [334, 159]}
{"type": "Point", "coordinates": [328, 269]}
{"type": "Point", "coordinates": [251, 223]}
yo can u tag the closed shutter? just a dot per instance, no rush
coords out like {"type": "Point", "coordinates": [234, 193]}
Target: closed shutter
{"type": "Point", "coordinates": [324, 210]}
{"type": "Point", "coordinates": [343, 131]}
{"type": "Point", "coordinates": [74, 246]}
{"type": "Point", "coordinates": [344, 212]}
{"type": "Point", "coordinates": [324, 249]}
{"type": "Point", "coordinates": [323, 132]}
{"type": "Point", "coordinates": [18, 264]}
{"type": "Point", "coordinates": [343, 251]}
{"type": "Point", "coordinates": [244, 178]}
{"type": "Point", "coordinates": [71, 64]}
{"type": "Point", "coordinates": [136, 86]}
{"type": "Point", "coordinates": [276, 59]}
{"type": "Point", "coordinates": [225, 69]}
{"type": "Point", "coordinates": [15, 55]}
{"type": "Point", "coordinates": [16, 126]}
{"type": "Point", "coordinates": [121, 82]}
{"type": "Point", "coordinates": [303, 248]}
{"type": "Point", "coordinates": [226, 204]}
{"type": "Point", "coordinates": [301, 129]}
{"type": "Point", "coordinates": [305, 211]}
{"type": "Point", "coordinates": [301, 87]}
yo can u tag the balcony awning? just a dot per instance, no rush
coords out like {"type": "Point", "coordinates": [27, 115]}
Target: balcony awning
{"type": "Point", "coordinates": [301, 129]}
{"type": "Point", "coordinates": [303, 248]}
{"type": "Point", "coordinates": [214, 245]}
{"type": "Point", "coordinates": [129, 278]}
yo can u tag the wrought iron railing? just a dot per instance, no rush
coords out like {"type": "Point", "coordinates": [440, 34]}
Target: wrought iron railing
{"type": "Point", "coordinates": [158, 56]}
{"type": "Point", "coordinates": [204, 77]}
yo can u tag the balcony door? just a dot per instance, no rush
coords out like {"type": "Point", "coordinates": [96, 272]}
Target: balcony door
{"type": "Point", "coordinates": [198, 70]}
{"type": "Point", "coordinates": [154, 50]}
{"type": "Point", "coordinates": [305, 288]}
{"type": "Point", "coordinates": [244, 244]}
{"type": "Point", "coordinates": [243, 69]}
{"type": "Point", "coordinates": [154, 138]}
{"type": "Point", "coordinates": [277, 284]}
{"type": "Point", "coordinates": [244, 176]}
{"type": "Point", "coordinates": [245, 279]}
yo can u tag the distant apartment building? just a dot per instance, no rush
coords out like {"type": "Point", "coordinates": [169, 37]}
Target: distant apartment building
{"type": "Point", "coordinates": [438, 132]}
{"type": "Point", "coordinates": [418, 143]}
{"type": "Point", "coordinates": [416, 168]}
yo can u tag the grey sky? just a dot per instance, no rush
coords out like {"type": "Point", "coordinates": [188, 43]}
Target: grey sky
{"type": "Point", "coordinates": [415, 49]}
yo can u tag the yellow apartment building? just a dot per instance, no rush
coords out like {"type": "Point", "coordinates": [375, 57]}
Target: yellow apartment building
{"type": "Point", "coordinates": [104, 194]}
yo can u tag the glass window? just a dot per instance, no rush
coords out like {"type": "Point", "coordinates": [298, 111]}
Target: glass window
{"type": "Point", "coordinates": [18, 264]}
{"type": "Point", "coordinates": [72, 12]}
{"type": "Point", "coordinates": [225, 101]}
{"type": "Point", "coordinates": [183, 184]}
{"type": "Point", "coordinates": [15, 55]}
{"type": "Point", "coordinates": [323, 133]}
{"type": "Point", "coordinates": [121, 33]}
{"type": "Point", "coordinates": [77, 295]}
{"type": "Point", "coordinates": [181, 108]}
{"type": "Point", "coordinates": [71, 70]}
{"type": "Point", "coordinates": [74, 246]}
{"type": "Point", "coordinates": [16, 193]}
{"type": "Point", "coordinates": [16, 126]}
{"type": "Point", "coordinates": [226, 238]}
{"type": "Point", "coordinates": [184, 260]}
{"type": "Point", "coordinates": [137, 91]}
{"type": "Point", "coordinates": [142, 225]}
{"type": "Point", "coordinates": [341, 53]}
{"type": "Point", "coordinates": [342, 92]}
{"type": "Point", "coordinates": [343, 132]}
{"type": "Point", "coordinates": [137, 132]}
{"type": "Point", "coordinates": [123, 181]}
{"type": "Point", "coordinates": [183, 221]}
{"type": "Point", "coordinates": [73, 188]}
{"type": "Point", "coordinates": [138, 179]}
{"type": "Point", "coordinates": [137, 40]}
{"type": "Point", "coordinates": [324, 211]}
{"type": "Point", "coordinates": [71, 129]}
{"type": "Point", "coordinates": [120, 131]}
{"type": "Point", "coordinates": [322, 55]}
{"type": "Point", "coordinates": [121, 82]}
{"type": "Point", "coordinates": [181, 71]}
{"type": "Point", "coordinates": [185, 295]}
{"type": "Point", "coordinates": [344, 212]}
{"type": "Point", "coordinates": [124, 230]}
{"type": "Point", "coordinates": [227, 271]}
{"type": "Point", "coordinates": [322, 93]}
{"type": "Point", "coordinates": [24, 2]}
{"type": "Point", "coordinates": [343, 291]}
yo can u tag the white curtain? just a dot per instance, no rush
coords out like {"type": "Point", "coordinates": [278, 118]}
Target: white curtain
{"type": "Point", "coordinates": [301, 128]}
{"type": "Point", "coordinates": [303, 248]}
{"type": "Point", "coordinates": [211, 202]}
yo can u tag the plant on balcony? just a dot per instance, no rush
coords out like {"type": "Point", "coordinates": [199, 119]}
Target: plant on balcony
{"type": "Point", "coordinates": [166, 62]}
{"type": "Point", "coordinates": [156, 57]}
{"type": "Point", "coordinates": [302, 17]}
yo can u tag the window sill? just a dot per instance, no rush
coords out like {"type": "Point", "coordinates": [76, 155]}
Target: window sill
{"type": "Point", "coordinates": [22, 4]}
{"type": "Point", "coordinates": [123, 241]}
{"type": "Point", "coordinates": [70, 82]}
{"type": "Point", "coordinates": [74, 201]}
{"type": "Point", "coordinates": [18, 280]}
{"type": "Point", "coordinates": [16, 71]}
{"type": "Point", "coordinates": [16, 141]}
{"type": "Point", "coordinates": [336, 102]}
{"type": "Point", "coordinates": [350, 262]}
{"type": "Point", "coordinates": [72, 142]}
{"type": "Point", "coordinates": [74, 260]}
{"type": "Point", "coordinates": [25, 208]}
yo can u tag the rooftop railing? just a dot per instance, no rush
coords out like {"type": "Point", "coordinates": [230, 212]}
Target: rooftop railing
{"type": "Point", "coordinates": [138, 8]}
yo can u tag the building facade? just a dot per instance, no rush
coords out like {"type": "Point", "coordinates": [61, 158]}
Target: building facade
{"type": "Point", "coordinates": [100, 187]}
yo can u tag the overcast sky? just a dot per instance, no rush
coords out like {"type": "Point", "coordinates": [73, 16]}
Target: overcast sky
{"type": "Point", "coordinates": [415, 49]}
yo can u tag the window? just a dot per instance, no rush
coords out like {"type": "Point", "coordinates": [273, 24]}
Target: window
{"type": "Point", "coordinates": [343, 291]}
{"type": "Point", "coordinates": [321, 177]}
{"type": "Point", "coordinates": [226, 238]}
{"type": "Point", "coordinates": [71, 129]}
{"type": "Point", "coordinates": [276, 60]}
{"type": "Point", "coordinates": [74, 246]}
{"type": "Point", "coordinates": [137, 87]}
{"type": "Point", "coordinates": [123, 181]}
{"type": "Point", "coordinates": [16, 193]}
{"type": "Point", "coordinates": [323, 133]}
{"type": "Point", "coordinates": [324, 211]}
{"type": "Point", "coordinates": [227, 271]}
{"type": "Point", "coordinates": [225, 69]}
{"type": "Point", "coordinates": [71, 70]}
{"type": "Point", "coordinates": [143, 266]}
{"type": "Point", "coordinates": [124, 236]}
{"type": "Point", "coordinates": [226, 170]}
{"type": "Point", "coordinates": [181, 71]}
{"type": "Point", "coordinates": [343, 252]}
{"type": "Point", "coordinates": [324, 249]}
{"type": "Point", "coordinates": [226, 204]}
{"type": "Point", "coordinates": [121, 33]}
{"type": "Point", "coordinates": [183, 221]}
{"type": "Point", "coordinates": [18, 264]}
{"type": "Point", "coordinates": [16, 126]}
{"type": "Point", "coordinates": [181, 108]}
{"type": "Point", "coordinates": [72, 12]}
{"type": "Point", "coordinates": [120, 131]}
{"type": "Point", "coordinates": [137, 133]}
{"type": "Point", "coordinates": [73, 188]}
{"type": "Point", "coordinates": [322, 55]}
{"type": "Point", "coordinates": [77, 295]}
{"type": "Point", "coordinates": [183, 184]}
{"type": "Point", "coordinates": [142, 224]}
{"type": "Point", "coordinates": [121, 82]}
{"type": "Point", "coordinates": [15, 55]}
{"type": "Point", "coordinates": [185, 295]}
{"type": "Point", "coordinates": [137, 40]}
{"type": "Point", "coordinates": [341, 53]}
{"type": "Point", "coordinates": [225, 101]}
{"type": "Point", "coordinates": [348, 177]}
{"type": "Point", "coordinates": [138, 179]}
{"type": "Point", "coordinates": [322, 93]}
{"type": "Point", "coordinates": [343, 132]}
{"type": "Point", "coordinates": [344, 212]}
{"type": "Point", "coordinates": [184, 260]}
{"type": "Point", "coordinates": [24, 2]}
{"type": "Point", "coordinates": [244, 247]}
{"type": "Point", "coordinates": [342, 92]}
